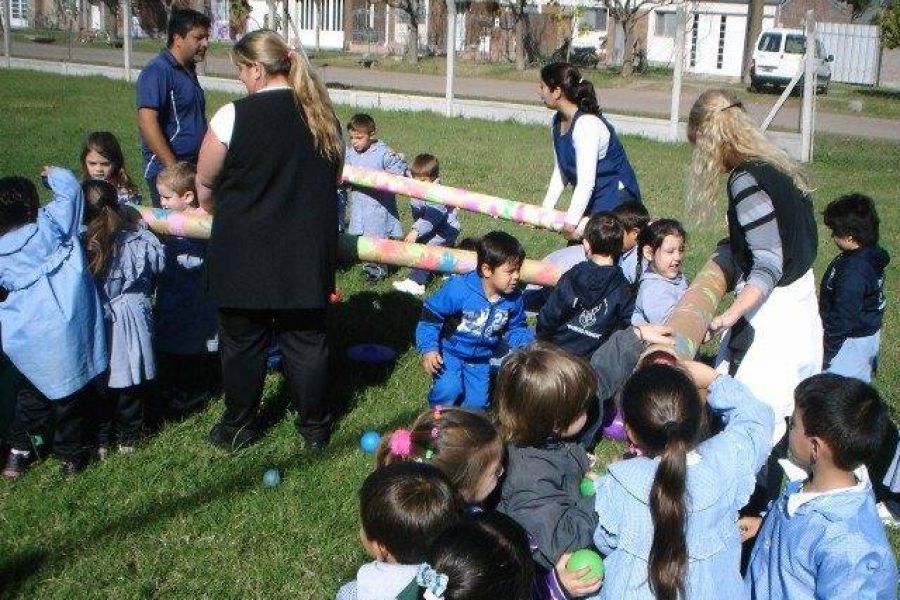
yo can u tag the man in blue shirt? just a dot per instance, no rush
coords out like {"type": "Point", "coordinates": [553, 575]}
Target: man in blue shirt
{"type": "Point", "coordinates": [170, 102]}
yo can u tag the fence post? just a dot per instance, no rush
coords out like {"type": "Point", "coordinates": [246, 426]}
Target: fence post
{"type": "Point", "coordinates": [126, 40]}
{"type": "Point", "coordinates": [680, 17]}
{"type": "Point", "coordinates": [7, 32]}
{"type": "Point", "coordinates": [451, 53]}
{"type": "Point", "coordinates": [809, 90]}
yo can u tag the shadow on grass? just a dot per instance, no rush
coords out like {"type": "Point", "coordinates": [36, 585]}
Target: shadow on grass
{"type": "Point", "coordinates": [879, 93]}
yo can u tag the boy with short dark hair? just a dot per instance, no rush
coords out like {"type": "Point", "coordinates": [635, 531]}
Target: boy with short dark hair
{"type": "Point", "coordinates": [403, 508]}
{"type": "Point", "coordinates": [464, 322]}
{"type": "Point", "coordinates": [822, 538]}
{"type": "Point", "coordinates": [592, 299]}
{"type": "Point", "coordinates": [634, 217]}
{"type": "Point", "coordinates": [851, 298]}
{"type": "Point", "coordinates": [372, 212]}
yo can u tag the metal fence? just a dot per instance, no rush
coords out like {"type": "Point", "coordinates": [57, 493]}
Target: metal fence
{"type": "Point", "coordinates": [855, 49]}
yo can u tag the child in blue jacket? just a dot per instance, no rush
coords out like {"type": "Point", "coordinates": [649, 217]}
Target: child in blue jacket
{"type": "Point", "coordinates": [464, 322]}
{"type": "Point", "coordinates": [851, 299]}
{"type": "Point", "coordinates": [592, 299]}
{"type": "Point", "coordinates": [53, 329]}
{"type": "Point", "coordinates": [822, 538]}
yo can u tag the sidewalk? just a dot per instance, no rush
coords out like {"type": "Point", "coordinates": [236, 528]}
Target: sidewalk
{"type": "Point", "coordinates": [624, 100]}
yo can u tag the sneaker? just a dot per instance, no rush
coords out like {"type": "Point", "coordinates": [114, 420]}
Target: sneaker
{"type": "Point", "coordinates": [17, 463]}
{"type": "Point", "coordinates": [102, 453]}
{"type": "Point", "coordinates": [374, 272]}
{"type": "Point", "coordinates": [71, 468]}
{"type": "Point", "coordinates": [408, 286]}
{"type": "Point", "coordinates": [126, 448]}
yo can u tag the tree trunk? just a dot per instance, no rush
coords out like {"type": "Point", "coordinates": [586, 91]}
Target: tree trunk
{"type": "Point", "coordinates": [754, 26]}
{"type": "Point", "coordinates": [628, 55]}
{"type": "Point", "coordinates": [521, 53]}
{"type": "Point", "coordinates": [412, 40]}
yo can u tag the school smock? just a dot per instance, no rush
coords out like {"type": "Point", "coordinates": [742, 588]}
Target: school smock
{"type": "Point", "coordinates": [475, 325]}
{"type": "Point", "coordinates": [591, 157]}
{"type": "Point", "coordinates": [590, 301]}
{"type": "Point", "coordinates": [379, 581]}
{"type": "Point", "coordinates": [721, 475]}
{"type": "Point", "coordinates": [657, 296]}
{"type": "Point", "coordinates": [823, 545]}
{"type": "Point", "coordinates": [185, 318]}
{"type": "Point", "coordinates": [126, 288]}
{"type": "Point", "coordinates": [52, 320]}
{"type": "Point", "coordinates": [373, 212]}
{"type": "Point", "coordinates": [432, 220]}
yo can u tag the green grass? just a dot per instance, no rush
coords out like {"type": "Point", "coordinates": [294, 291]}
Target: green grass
{"type": "Point", "coordinates": [180, 519]}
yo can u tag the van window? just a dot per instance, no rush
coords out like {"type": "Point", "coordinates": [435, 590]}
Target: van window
{"type": "Point", "coordinates": [770, 42]}
{"type": "Point", "coordinates": [795, 44]}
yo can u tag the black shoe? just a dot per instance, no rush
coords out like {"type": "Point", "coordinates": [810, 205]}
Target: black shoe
{"type": "Point", "coordinates": [230, 441]}
{"type": "Point", "coordinates": [16, 464]}
{"type": "Point", "coordinates": [71, 468]}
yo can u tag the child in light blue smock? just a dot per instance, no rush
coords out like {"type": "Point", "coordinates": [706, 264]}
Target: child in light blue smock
{"type": "Point", "coordinates": [372, 212]}
{"type": "Point", "coordinates": [125, 259]}
{"type": "Point", "coordinates": [52, 321]}
{"type": "Point", "coordinates": [668, 518]}
{"type": "Point", "coordinates": [662, 283]}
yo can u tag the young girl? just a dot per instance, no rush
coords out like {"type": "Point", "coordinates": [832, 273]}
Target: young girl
{"type": "Point", "coordinates": [667, 518]}
{"type": "Point", "coordinates": [482, 558]}
{"type": "Point", "coordinates": [462, 444]}
{"type": "Point", "coordinates": [125, 259]}
{"type": "Point", "coordinates": [102, 159]}
{"type": "Point", "coordinates": [542, 397]}
{"type": "Point", "coordinates": [662, 284]}
{"type": "Point", "coordinates": [185, 332]}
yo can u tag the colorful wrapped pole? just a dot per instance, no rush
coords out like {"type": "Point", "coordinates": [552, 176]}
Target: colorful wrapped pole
{"type": "Point", "coordinates": [519, 212]}
{"type": "Point", "coordinates": [359, 248]}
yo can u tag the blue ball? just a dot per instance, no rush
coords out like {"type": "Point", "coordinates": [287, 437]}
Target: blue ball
{"type": "Point", "coordinates": [369, 441]}
{"type": "Point", "coordinates": [271, 478]}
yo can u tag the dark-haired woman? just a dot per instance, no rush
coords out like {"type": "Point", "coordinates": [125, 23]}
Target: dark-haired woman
{"type": "Point", "coordinates": [589, 155]}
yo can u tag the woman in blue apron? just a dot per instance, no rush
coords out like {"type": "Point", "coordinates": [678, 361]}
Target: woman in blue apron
{"type": "Point", "coordinates": [589, 155]}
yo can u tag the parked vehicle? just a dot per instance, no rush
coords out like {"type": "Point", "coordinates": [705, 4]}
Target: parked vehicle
{"type": "Point", "coordinates": [778, 56]}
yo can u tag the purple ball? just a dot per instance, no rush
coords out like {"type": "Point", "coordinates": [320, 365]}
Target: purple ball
{"type": "Point", "coordinates": [615, 429]}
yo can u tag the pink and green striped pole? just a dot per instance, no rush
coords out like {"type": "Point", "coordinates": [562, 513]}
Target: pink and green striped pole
{"type": "Point", "coordinates": [509, 210]}
{"type": "Point", "coordinates": [359, 248]}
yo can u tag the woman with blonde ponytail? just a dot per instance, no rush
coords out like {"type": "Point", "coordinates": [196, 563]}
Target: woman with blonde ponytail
{"type": "Point", "coordinates": [268, 171]}
{"type": "Point", "coordinates": [774, 334]}
{"type": "Point", "coordinates": [668, 517]}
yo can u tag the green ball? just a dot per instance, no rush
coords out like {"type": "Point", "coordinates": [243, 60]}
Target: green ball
{"type": "Point", "coordinates": [587, 487]}
{"type": "Point", "coordinates": [586, 558]}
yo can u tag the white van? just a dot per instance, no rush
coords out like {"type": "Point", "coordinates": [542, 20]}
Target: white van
{"type": "Point", "coordinates": [778, 56]}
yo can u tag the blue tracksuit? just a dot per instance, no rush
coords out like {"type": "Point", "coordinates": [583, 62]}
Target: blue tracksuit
{"type": "Point", "coordinates": [851, 304]}
{"type": "Point", "coordinates": [588, 304]}
{"type": "Point", "coordinates": [466, 328]}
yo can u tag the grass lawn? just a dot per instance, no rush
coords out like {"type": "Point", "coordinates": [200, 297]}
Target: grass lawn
{"type": "Point", "coordinates": [181, 519]}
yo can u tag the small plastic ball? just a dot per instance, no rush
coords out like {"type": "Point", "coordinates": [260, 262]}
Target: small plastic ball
{"type": "Point", "coordinates": [586, 558]}
{"type": "Point", "coordinates": [335, 296]}
{"type": "Point", "coordinates": [369, 441]}
{"type": "Point", "coordinates": [587, 487]}
{"type": "Point", "coordinates": [271, 478]}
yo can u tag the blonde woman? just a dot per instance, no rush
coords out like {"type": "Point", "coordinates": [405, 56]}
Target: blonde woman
{"type": "Point", "coordinates": [268, 171]}
{"type": "Point", "coordinates": [774, 338]}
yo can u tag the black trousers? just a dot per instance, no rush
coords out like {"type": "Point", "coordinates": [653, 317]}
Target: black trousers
{"type": "Point", "coordinates": [119, 414]}
{"type": "Point", "coordinates": [187, 381]}
{"type": "Point", "coordinates": [244, 339]}
{"type": "Point", "coordinates": [35, 415]}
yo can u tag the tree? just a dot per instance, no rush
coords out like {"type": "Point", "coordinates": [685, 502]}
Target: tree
{"type": "Point", "coordinates": [889, 20]}
{"type": "Point", "coordinates": [628, 13]}
{"type": "Point", "coordinates": [413, 11]}
{"type": "Point", "coordinates": [754, 27]}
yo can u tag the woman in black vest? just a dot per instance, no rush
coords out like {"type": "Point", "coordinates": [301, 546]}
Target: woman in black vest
{"type": "Point", "coordinates": [774, 338]}
{"type": "Point", "coordinates": [268, 171]}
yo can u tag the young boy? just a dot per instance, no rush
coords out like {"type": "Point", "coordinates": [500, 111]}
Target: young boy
{"type": "Point", "coordinates": [403, 508]}
{"type": "Point", "coordinates": [464, 322]}
{"type": "Point", "coordinates": [634, 217]}
{"type": "Point", "coordinates": [822, 538]}
{"type": "Point", "coordinates": [372, 212]}
{"type": "Point", "coordinates": [434, 224]}
{"type": "Point", "coordinates": [53, 328]}
{"type": "Point", "coordinates": [592, 299]}
{"type": "Point", "coordinates": [851, 299]}
{"type": "Point", "coordinates": [185, 319]}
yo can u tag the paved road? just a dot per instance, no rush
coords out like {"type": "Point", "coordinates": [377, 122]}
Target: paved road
{"type": "Point", "coordinates": [636, 98]}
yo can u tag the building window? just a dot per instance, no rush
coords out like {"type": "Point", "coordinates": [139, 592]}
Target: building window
{"type": "Point", "coordinates": [694, 29]}
{"type": "Point", "coordinates": [19, 9]}
{"type": "Point", "coordinates": [665, 24]}
{"type": "Point", "coordinates": [592, 19]}
{"type": "Point", "coordinates": [721, 54]}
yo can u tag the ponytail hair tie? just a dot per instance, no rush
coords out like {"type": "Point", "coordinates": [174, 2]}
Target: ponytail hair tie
{"type": "Point", "coordinates": [671, 428]}
{"type": "Point", "coordinates": [401, 443]}
{"type": "Point", "coordinates": [434, 582]}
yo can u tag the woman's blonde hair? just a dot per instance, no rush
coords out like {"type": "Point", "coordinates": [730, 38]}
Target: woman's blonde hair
{"type": "Point", "coordinates": [723, 136]}
{"type": "Point", "coordinates": [277, 58]}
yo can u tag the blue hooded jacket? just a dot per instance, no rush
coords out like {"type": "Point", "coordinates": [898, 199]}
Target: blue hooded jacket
{"type": "Point", "coordinates": [460, 319]}
{"type": "Point", "coordinates": [851, 298]}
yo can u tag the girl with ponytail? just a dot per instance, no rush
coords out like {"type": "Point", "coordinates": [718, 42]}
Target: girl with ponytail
{"type": "Point", "coordinates": [588, 152]}
{"type": "Point", "coordinates": [268, 171]}
{"type": "Point", "coordinates": [668, 518]}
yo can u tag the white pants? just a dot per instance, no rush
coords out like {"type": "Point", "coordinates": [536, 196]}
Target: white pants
{"type": "Point", "coordinates": [787, 347]}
